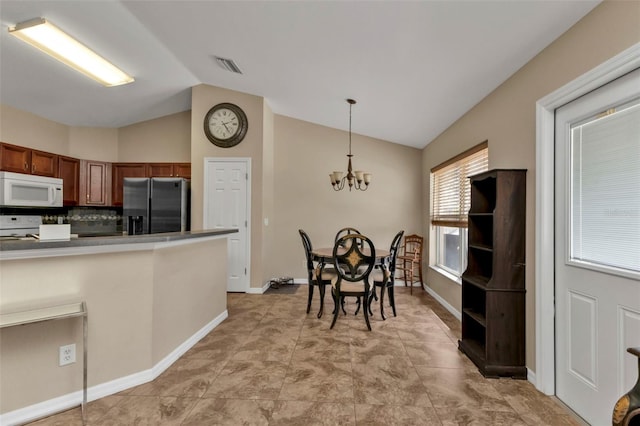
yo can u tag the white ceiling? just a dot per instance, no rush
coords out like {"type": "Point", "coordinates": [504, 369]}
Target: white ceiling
{"type": "Point", "coordinates": [414, 67]}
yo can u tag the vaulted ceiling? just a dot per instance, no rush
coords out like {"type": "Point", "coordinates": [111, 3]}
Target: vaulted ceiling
{"type": "Point", "coordinates": [414, 67]}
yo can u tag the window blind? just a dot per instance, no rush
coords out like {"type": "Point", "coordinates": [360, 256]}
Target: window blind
{"type": "Point", "coordinates": [450, 188]}
{"type": "Point", "coordinates": [605, 190]}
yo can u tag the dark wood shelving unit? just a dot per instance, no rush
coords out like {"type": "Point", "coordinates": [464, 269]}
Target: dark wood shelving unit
{"type": "Point", "coordinates": [493, 285]}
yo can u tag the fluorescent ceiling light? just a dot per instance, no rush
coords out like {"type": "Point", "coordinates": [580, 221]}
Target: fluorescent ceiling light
{"type": "Point", "coordinates": [51, 40]}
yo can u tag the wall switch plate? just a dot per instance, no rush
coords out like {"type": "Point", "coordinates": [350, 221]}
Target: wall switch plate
{"type": "Point", "coordinates": [67, 354]}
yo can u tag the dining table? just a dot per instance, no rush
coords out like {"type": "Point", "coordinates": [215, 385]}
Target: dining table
{"type": "Point", "coordinates": [324, 256]}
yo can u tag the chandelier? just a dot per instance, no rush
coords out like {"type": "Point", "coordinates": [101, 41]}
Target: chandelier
{"type": "Point", "coordinates": [358, 179]}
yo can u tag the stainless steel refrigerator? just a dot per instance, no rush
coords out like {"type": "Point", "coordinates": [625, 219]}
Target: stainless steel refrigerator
{"type": "Point", "coordinates": [152, 205]}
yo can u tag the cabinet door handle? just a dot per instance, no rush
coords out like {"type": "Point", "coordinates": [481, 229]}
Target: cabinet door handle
{"type": "Point", "coordinates": [26, 166]}
{"type": "Point", "coordinates": [33, 167]}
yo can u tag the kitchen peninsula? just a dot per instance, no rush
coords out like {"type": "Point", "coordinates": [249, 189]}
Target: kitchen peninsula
{"type": "Point", "coordinates": [149, 298]}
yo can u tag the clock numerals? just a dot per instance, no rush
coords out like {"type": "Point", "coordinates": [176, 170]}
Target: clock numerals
{"type": "Point", "coordinates": [223, 124]}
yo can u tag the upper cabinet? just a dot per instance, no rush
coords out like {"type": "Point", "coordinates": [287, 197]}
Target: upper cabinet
{"type": "Point", "coordinates": [132, 170]}
{"type": "Point", "coordinates": [69, 172]}
{"type": "Point", "coordinates": [121, 171]}
{"type": "Point", "coordinates": [170, 170]}
{"type": "Point", "coordinates": [95, 183]}
{"type": "Point", "coordinates": [19, 159]}
{"type": "Point", "coordinates": [85, 182]}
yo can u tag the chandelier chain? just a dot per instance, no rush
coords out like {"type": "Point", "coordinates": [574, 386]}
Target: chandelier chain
{"type": "Point", "coordinates": [360, 180]}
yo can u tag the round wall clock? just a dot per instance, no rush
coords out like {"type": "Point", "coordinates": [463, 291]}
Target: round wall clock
{"type": "Point", "coordinates": [225, 125]}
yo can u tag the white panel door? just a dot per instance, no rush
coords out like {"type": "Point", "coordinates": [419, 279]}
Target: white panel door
{"type": "Point", "coordinates": [597, 253]}
{"type": "Point", "coordinates": [226, 190]}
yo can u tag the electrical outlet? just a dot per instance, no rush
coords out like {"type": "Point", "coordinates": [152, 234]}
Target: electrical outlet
{"type": "Point", "coordinates": [67, 354]}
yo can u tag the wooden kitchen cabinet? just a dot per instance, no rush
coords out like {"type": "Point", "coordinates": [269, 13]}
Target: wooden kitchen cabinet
{"type": "Point", "coordinates": [69, 172]}
{"type": "Point", "coordinates": [19, 159]}
{"type": "Point", "coordinates": [121, 171]}
{"type": "Point", "coordinates": [169, 170]}
{"type": "Point", "coordinates": [44, 163]}
{"type": "Point", "coordinates": [182, 170]}
{"type": "Point", "coordinates": [15, 158]}
{"type": "Point", "coordinates": [95, 183]}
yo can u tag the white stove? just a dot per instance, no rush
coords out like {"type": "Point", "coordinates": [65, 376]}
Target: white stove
{"type": "Point", "coordinates": [15, 226]}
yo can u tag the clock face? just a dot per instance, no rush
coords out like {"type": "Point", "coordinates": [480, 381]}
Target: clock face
{"type": "Point", "coordinates": [225, 125]}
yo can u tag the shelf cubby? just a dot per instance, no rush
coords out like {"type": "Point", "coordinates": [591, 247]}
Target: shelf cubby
{"type": "Point", "coordinates": [481, 230]}
{"type": "Point", "coordinates": [483, 194]}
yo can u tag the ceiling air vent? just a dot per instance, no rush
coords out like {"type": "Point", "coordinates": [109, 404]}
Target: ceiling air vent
{"type": "Point", "coordinates": [227, 64]}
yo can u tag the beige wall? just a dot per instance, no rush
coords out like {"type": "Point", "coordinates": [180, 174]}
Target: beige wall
{"type": "Point", "coordinates": [507, 119]}
{"type": "Point", "coordinates": [141, 306]}
{"type": "Point", "coordinates": [203, 97]}
{"type": "Point", "coordinates": [165, 139]}
{"type": "Point", "coordinates": [269, 244]}
{"type": "Point", "coordinates": [22, 128]}
{"type": "Point", "coordinates": [93, 143]}
{"type": "Point", "coordinates": [305, 154]}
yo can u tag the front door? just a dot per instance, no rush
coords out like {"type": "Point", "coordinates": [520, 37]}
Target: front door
{"type": "Point", "coordinates": [597, 252]}
{"type": "Point", "coordinates": [225, 206]}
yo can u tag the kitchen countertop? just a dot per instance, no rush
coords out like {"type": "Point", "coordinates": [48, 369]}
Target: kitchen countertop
{"type": "Point", "coordinates": [16, 249]}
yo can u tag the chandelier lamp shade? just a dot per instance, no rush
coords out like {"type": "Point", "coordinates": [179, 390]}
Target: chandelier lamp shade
{"type": "Point", "coordinates": [359, 180]}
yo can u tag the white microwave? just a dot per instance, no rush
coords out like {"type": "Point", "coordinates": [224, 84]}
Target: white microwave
{"type": "Point", "coordinates": [17, 189]}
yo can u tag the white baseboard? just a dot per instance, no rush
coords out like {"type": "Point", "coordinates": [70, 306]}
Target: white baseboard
{"type": "Point", "coordinates": [444, 303]}
{"type": "Point", "coordinates": [74, 399]}
{"type": "Point", "coordinates": [531, 376]}
{"type": "Point", "coordinates": [258, 290]}
{"type": "Point", "coordinates": [266, 286]}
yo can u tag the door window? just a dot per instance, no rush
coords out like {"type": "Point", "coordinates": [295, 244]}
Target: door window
{"type": "Point", "coordinates": [605, 191]}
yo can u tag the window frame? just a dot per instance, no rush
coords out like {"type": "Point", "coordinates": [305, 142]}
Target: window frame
{"type": "Point", "coordinates": [451, 200]}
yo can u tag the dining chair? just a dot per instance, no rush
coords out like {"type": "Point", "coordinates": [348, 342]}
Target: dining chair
{"type": "Point", "coordinates": [346, 231]}
{"type": "Point", "coordinates": [384, 277]}
{"type": "Point", "coordinates": [410, 260]}
{"type": "Point", "coordinates": [353, 264]}
{"type": "Point", "coordinates": [312, 272]}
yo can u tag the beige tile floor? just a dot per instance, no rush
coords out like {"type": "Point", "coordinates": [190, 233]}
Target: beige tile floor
{"type": "Point", "coordinates": [270, 363]}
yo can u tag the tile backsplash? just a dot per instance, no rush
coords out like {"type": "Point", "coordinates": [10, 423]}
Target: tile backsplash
{"type": "Point", "coordinates": [84, 221]}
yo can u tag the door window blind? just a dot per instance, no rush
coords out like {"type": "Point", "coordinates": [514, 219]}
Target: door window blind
{"type": "Point", "coordinates": [450, 188]}
{"type": "Point", "coordinates": [605, 190]}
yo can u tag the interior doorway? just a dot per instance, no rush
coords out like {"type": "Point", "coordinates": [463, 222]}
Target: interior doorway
{"type": "Point", "coordinates": [597, 251]}
{"type": "Point", "coordinates": [227, 205]}
{"type": "Point", "coordinates": [544, 376]}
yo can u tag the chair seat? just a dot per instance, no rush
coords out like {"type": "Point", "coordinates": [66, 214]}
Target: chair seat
{"type": "Point", "coordinates": [378, 276]}
{"type": "Point", "coordinates": [409, 257]}
{"type": "Point", "coordinates": [348, 286]}
{"type": "Point", "coordinates": [328, 274]}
